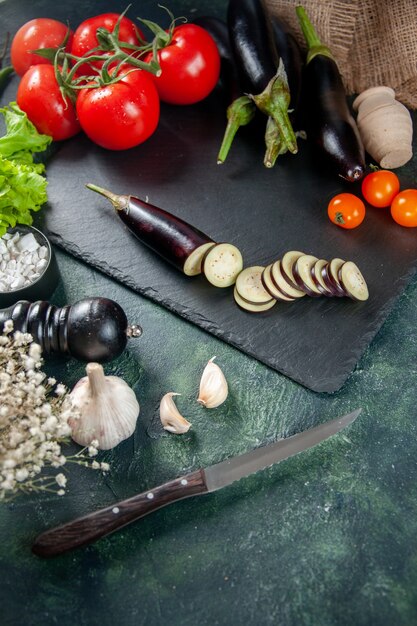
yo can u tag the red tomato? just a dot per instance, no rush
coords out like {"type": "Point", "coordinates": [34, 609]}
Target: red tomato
{"type": "Point", "coordinates": [35, 34]}
{"type": "Point", "coordinates": [404, 208]}
{"type": "Point", "coordinates": [346, 210]}
{"type": "Point", "coordinates": [39, 96]}
{"type": "Point", "coordinates": [85, 36]}
{"type": "Point", "coordinates": [380, 188]}
{"type": "Point", "coordinates": [120, 115]}
{"type": "Point", "coordinates": [190, 66]}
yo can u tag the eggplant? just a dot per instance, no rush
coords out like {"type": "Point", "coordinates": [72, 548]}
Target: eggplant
{"type": "Point", "coordinates": [93, 329]}
{"type": "Point", "coordinates": [262, 73]}
{"type": "Point", "coordinates": [329, 123]}
{"type": "Point", "coordinates": [179, 243]}
{"type": "Point", "coordinates": [252, 44]}
{"type": "Point", "coordinates": [262, 78]}
{"type": "Point", "coordinates": [219, 31]}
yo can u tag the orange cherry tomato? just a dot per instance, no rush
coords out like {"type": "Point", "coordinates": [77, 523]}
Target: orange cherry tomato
{"type": "Point", "coordinates": [346, 210]}
{"type": "Point", "coordinates": [404, 208]}
{"type": "Point", "coordinates": [380, 188]}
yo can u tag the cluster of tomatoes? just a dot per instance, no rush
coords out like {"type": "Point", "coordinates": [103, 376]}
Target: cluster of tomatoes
{"type": "Point", "coordinates": [116, 114]}
{"type": "Point", "coordinates": [380, 189]}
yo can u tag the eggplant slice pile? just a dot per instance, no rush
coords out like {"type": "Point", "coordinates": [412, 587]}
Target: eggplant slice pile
{"type": "Point", "coordinates": [296, 275]}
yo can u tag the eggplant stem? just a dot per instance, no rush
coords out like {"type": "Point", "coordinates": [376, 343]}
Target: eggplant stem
{"type": "Point", "coordinates": [273, 142]}
{"type": "Point", "coordinates": [239, 113]}
{"type": "Point", "coordinates": [314, 44]}
{"type": "Point", "coordinates": [119, 202]}
{"type": "Point", "coordinates": [274, 102]}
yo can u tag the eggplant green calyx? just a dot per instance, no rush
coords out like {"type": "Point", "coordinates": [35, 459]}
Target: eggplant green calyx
{"type": "Point", "coordinates": [119, 202]}
{"type": "Point", "coordinates": [239, 113]}
{"type": "Point", "coordinates": [274, 102]}
{"type": "Point", "coordinates": [275, 146]}
{"type": "Point", "coordinates": [315, 47]}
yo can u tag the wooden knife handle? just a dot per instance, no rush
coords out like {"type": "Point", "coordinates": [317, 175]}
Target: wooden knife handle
{"type": "Point", "coordinates": [84, 530]}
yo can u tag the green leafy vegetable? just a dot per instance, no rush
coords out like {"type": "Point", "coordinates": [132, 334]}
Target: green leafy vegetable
{"type": "Point", "coordinates": [22, 186]}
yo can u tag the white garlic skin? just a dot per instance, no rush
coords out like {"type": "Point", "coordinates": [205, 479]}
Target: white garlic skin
{"type": "Point", "coordinates": [108, 409]}
{"type": "Point", "coordinates": [170, 417]}
{"type": "Point", "coordinates": [213, 386]}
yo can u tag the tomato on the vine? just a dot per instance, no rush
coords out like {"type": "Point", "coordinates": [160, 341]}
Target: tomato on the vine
{"type": "Point", "coordinates": [404, 208]}
{"type": "Point", "coordinates": [41, 32]}
{"type": "Point", "coordinates": [85, 37]}
{"type": "Point", "coordinates": [40, 97]}
{"type": "Point", "coordinates": [346, 210]}
{"type": "Point", "coordinates": [379, 188]}
{"type": "Point", "coordinates": [122, 114]}
{"type": "Point", "coordinates": [190, 65]}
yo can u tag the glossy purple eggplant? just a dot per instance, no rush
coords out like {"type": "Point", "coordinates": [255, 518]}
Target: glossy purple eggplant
{"type": "Point", "coordinates": [172, 238]}
{"type": "Point", "coordinates": [329, 123]}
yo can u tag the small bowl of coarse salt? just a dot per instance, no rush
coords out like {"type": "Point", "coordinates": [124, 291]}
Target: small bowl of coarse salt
{"type": "Point", "coordinates": [28, 267]}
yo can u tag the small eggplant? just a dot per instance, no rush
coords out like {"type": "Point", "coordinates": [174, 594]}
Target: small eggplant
{"type": "Point", "coordinates": [252, 43]}
{"type": "Point", "coordinates": [261, 72]}
{"type": "Point", "coordinates": [183, 245]}
{"type": "Point", "coordinates": [217, 28]}
{"type": "Point", "coordinates": [91, 330]}
{"type": "Point", "coordinates": [329, 123]}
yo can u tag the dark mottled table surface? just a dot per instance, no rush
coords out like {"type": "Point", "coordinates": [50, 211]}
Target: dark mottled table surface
{"type": "Point", "coordinates": [326, 538]}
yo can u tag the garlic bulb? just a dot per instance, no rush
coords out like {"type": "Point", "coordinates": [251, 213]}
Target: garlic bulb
{"type": "Point", "coordinates": [171, 418]}
{"type": "Point", "coordinates": [108, 409]}
{"type": "Point", "coordinates": [213, 386]}
{"type": "Point", "coordinates": [385, 126]}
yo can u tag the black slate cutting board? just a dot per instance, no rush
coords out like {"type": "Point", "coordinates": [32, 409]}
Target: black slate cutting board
{"type": "Point", "coordinates": [316, 342]}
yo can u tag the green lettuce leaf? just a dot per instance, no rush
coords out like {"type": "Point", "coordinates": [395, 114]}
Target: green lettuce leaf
{"type": "Point", "coordinates": [22, 185]}
{"type": "Point", "coordinates": [21, 139]}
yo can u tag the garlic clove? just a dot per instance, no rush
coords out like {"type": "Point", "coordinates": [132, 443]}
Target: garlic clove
{"type": "Point", "coordinates": [213, 386]}
{"type": "Point", "coordinates": [108, 409]}
{"type": "Point", "coordinates": [171, 418]}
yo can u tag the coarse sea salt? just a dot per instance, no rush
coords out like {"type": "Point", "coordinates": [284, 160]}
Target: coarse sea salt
{"type": "Point", "coordinates": [22, 260]}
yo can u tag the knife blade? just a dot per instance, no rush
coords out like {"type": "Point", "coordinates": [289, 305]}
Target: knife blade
{"type": "Point", "coordinates": [84, 530]}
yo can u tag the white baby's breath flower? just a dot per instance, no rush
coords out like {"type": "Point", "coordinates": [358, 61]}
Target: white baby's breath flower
{"type": "Point", "coordinates": [60, 390]}
{"type": "Point", "coordinates": [105, 467]}
{"type": "Point", "coordinates": [61, 479]}
{"type": "Point", "coordinates": [34, 419]}
{"type": "Point", "coordinates": [61, 492]}
{"type": "Point", "coordinates": [8, 326]}
{"type": "Point", "coordinates": [92, 451]}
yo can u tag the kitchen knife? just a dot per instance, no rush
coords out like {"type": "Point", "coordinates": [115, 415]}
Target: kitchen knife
{"type": "Point", "coordinates": [88, 528]}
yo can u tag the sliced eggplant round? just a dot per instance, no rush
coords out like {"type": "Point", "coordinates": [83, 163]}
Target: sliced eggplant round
{"type": "Point", "coordinates": [250, 306]}
{"type": "Point", "coordinates": [317, 278]}
{"type": "Point", "coordinates": [250, 287]}
{"type": "Point", "coordinates": [222, 264]}
{"type": "Point", "coordinates": [287, 264]}
{"type": "Point", "coordinates": [193, 264]}
{"type": "Point", "coordinates": [334, 267]}
{"type": "Point", "coordinates": [272, 287]}
{"type": "Point", "coordinates": [302, 274]}
{"type": "Point", "coordinates": [329, 274]}
{"type": "Point", "coordinates": [282, 284]}
{"type": "Point", "coordinates": [353, 282]}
